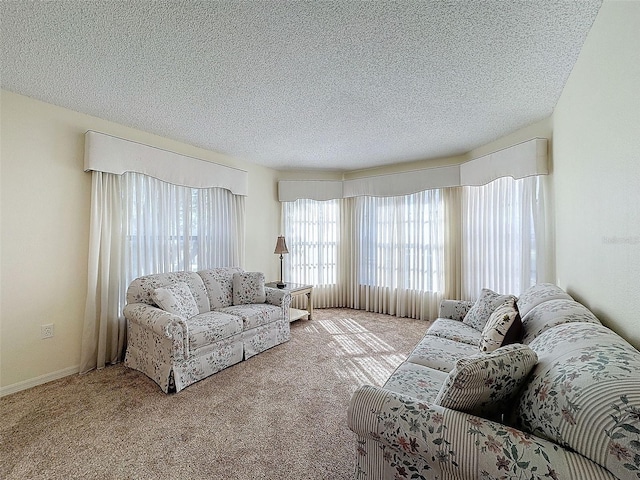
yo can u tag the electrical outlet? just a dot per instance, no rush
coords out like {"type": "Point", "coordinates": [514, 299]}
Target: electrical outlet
{"type": "Point", "coordinates": [46, 331]}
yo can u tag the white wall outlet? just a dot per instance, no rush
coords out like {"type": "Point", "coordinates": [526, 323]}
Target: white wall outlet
{"type": "Point", "coordinates": [46, 331]}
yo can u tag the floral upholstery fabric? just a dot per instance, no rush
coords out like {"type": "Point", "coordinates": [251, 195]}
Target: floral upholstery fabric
{"type": "Point", "coordinates": [479, 313]}
{"type": "Point", "coordinates": [219, 285]}
{"type": "Point", "coordinates": [416, 381]}
{"type": "Point", "coordinates": [141, 288]}
{"type": "Point", "coordinates": [248, 287]}
{"type": "Point", "coordinates": [440, 353]}
{"type": "Point", "coordinates": [176, 299]}
{"type": "Point", "coordinates": [485, 383]}
{"type": "Point", "coordinates": [147, 351]}
{"type": "Point", "coordinates": [540, 293]}
{"type": "Point", "coordinates": [584, 394]}
{"type": "Point", "coordinates": [163, 324]}
{"type": "Point", "coordinates": [259, 339]}
{"type": "Point", "coordinates": [219, 356]}
{"type": "Point", "coordinates": [176, 351]}
{"type": "Point", "coordinates": [454, 309]}
{"type": "Point", "coordinates": [208, 328]}
{"type": "Point", "coordinates": [554, 312]}
{"type": "Point", "coordinates": [455, 330]}
{"type": "Point", "coordinates": [576, 416]}
{"type": "Point", "coordinates": [401, 437]}
{"type": "Point", "coordinates": [254, 315]}
{"type": "Point", "coordinates": [503, 327]}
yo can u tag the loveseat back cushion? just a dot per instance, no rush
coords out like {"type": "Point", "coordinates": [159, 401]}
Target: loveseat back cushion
{"type": "Point", "coordinates": [584, 394]}
{"type": "Point", "coordinates": [248, 287]}
{"type": "Point", "coordinates": [219, 285]}
{"type": "Point", "coordinates": [485, 383]}
{"type": "Point", "coordinates": [140, 289]}
{"type": "Point", "coordinates": [539, 293]}
{"type": "Point", "coordinates": [487, 302]}
{"type": "Point", "coordinates": [503, 327]}
{"type": "Point", "coordinates": [554, 312]}
{"type": "Point", "coordinates": [177, 299]}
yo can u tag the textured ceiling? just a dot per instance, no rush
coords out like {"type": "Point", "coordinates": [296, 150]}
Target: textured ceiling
{"type": "Point", "coordinates": [308, 85]}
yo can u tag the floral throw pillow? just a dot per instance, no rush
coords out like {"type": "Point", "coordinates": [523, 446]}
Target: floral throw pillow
{"type": "Point", "coordinates": [484, 384]}
{"type": "Point", "coordinates": [503, 327]}
{"type": "Point", "coordinates": [248, 287]}
{"type": "Point", "coordinates": [487, 302]}
{"type": "Point", "coordinates": [177, 299]}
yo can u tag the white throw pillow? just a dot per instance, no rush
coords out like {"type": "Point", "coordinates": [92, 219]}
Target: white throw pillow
{"type": "Point", "coordinates": [503, 327]}
{"type": "Point", "coordinates": [177, 299]}
{"type": "Point", "coordinates": [248, 287]}
{"type": "Point", "coordinates": [485, 383]}
{"type": "Point", "coordinates": [487, 302]}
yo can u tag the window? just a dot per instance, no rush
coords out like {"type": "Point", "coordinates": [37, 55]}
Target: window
{"type": "Point", "coordinates": [401, 255]}
{"type": "Point", "coordinates": [171, 228]}
{"type": "Point", "coordinates": [312, 230]}
{"type": "Point", "coordinates": [503, 230]}
{"type": "Point", "coordinates": [401, 241]}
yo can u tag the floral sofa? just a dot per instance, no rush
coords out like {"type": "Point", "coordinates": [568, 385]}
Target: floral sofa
{"type": "Point", "coordinates": [185, 326]}
{"type": "Point", "coordinates": [563, 403]}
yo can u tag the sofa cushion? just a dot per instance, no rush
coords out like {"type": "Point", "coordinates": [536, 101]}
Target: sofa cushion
{"type": "Point", "coordinates": [454, 330]}
{"type": "Point", "coordinates": [177, 299]}
{"type": "Point", "coordinates": [248, 287]}
{"type": "Point", "coordinates": [440, 353]}
{"type": "Point", "coordinates": [483, 384]}
{"type": "Point", "coordinates": [254, 315]}
{"type": "Point", "coordinates": [416, 381]}
{"type": "Point", "coordinates": [503, 327]}
{"type": "Point", "coordinates": [479, 314]}
{"type": "Point", "coordinates": [219, 285]}
{"type": "Point", "coordinates": [584, 394]}
{"type": "Point", "coordinates": [208, 328]}
{"type": "Point", "coordinates": [540, 293]}
{"type": "Point", "coordinates": [140, 289]}
{"type": "Point", "coordinates": [551, 313]}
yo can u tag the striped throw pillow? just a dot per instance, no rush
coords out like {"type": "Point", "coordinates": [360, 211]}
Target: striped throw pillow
{"type": "Point", "coordinates": [484, 384]}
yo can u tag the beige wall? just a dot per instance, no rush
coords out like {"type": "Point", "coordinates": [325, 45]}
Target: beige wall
{"type": "Point", "coordinates": [596, 152]}
{"type": "Point", "coordinates": [45, 206]}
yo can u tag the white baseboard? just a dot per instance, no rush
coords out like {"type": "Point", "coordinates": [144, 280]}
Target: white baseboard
{"type": "Point", "coordinates": [34, 382]}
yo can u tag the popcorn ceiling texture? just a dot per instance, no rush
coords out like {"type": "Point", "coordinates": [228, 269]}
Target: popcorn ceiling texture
{"type": "Point", "coordinates": [310, 85]}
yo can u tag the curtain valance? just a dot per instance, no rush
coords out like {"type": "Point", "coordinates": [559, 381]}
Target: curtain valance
{"type": "Point", "coordinates": [105, 153]}
{"type": "Point", "coordinates": [518, 161]}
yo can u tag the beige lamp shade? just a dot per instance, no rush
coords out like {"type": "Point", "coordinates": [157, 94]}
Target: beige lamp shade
{"type": "Point", "coordinates": [281, 246]}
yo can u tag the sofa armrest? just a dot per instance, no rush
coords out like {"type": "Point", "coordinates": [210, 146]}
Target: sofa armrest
{"type": "Point", "coordinates": [454, 309]}
{"type": "Point", "coordinates": [279, 298]}
{"type": "Point", "coordinates": [463, 445]}
{"type": "Point", "coordinates": [161, 323]}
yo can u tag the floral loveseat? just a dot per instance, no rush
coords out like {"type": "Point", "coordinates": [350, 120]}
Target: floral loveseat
{"type": "Point", "coordinates": [562, 404]}
{"type": "Point", "coordinates": [185, 326]}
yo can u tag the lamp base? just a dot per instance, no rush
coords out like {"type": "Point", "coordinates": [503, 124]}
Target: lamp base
{"type": "Point", "coordinates": [281, 284]}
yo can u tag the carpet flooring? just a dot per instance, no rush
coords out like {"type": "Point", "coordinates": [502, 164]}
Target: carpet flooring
{"type": "Point", "coordinates": [279, 415]}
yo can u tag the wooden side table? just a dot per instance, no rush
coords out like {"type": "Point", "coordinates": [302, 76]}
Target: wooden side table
{"type": "Point", "coordinates": [296, 289]}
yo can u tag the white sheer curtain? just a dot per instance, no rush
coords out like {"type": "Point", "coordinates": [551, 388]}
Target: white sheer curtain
{"type": "Point", "coordinates": [400, 252]}
{"type": "Point", "coordinates": [313, 233]}
{"type": "Point", "coordinates": [402, 255]}
{"type": "Point", "coordinates": [142, 225]}
{"type": "Point", "coordinates": [503, 236]}
{"type": "Point", "coordinates": [378, 254]}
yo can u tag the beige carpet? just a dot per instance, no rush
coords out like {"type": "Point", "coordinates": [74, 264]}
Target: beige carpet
{"type": "Point", "coordinates": [279, 415]}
